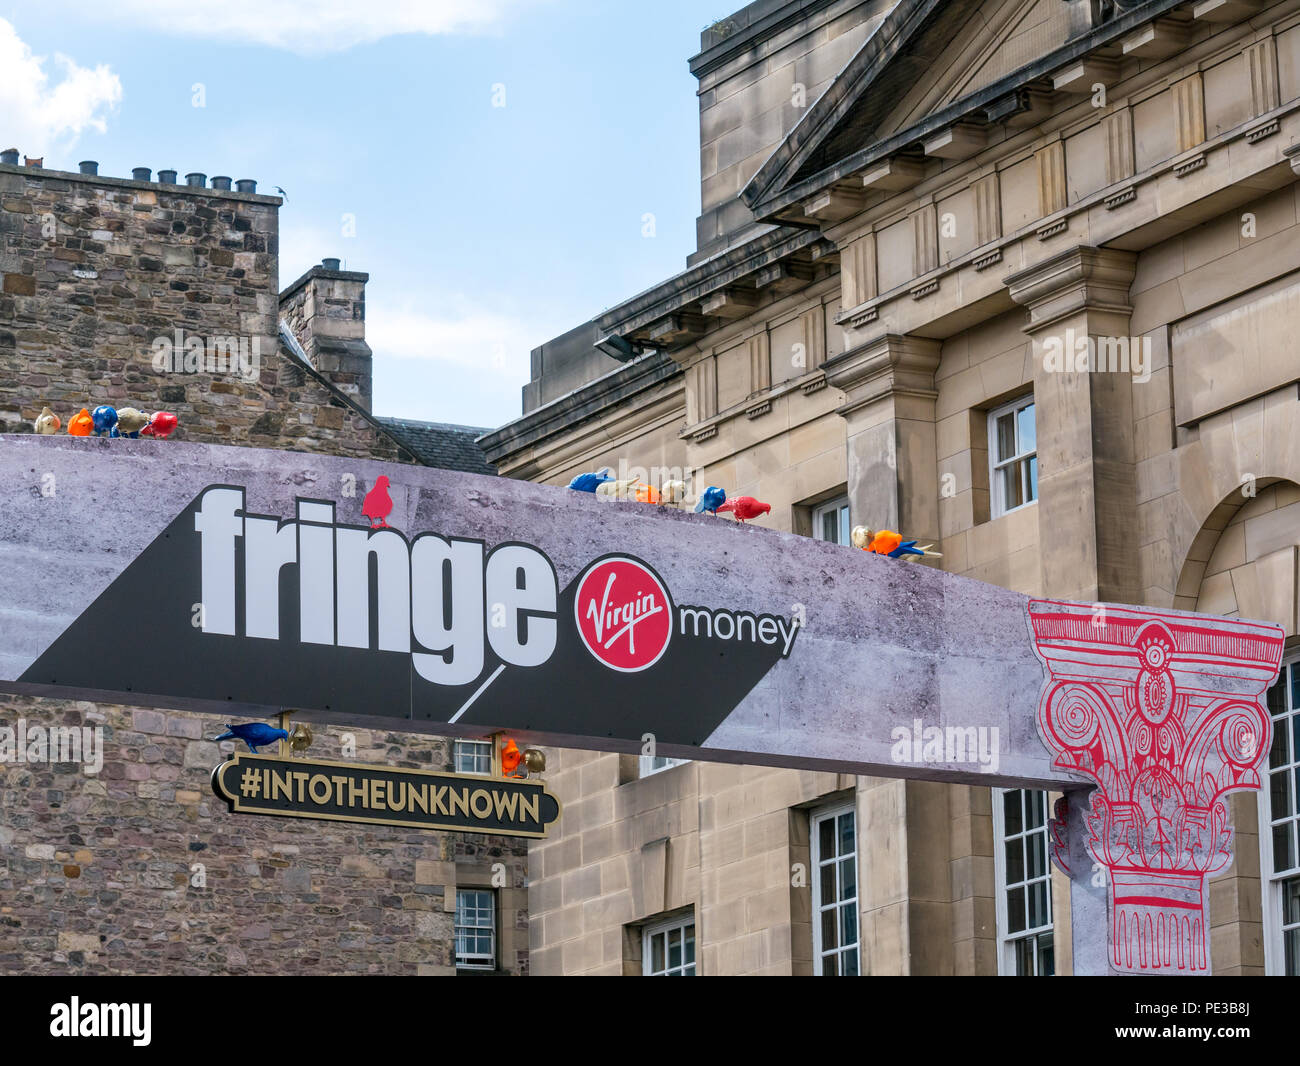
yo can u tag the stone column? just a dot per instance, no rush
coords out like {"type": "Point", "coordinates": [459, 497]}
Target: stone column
{"type": "Point", "coordinates": [1078, 303]}
{"type": "Point", "coordinates": [889, 411]}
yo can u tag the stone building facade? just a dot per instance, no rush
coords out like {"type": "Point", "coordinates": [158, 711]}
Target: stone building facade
{"type": "Point", "coordinates": [917, 218]}
{"type": "Point", "coordinates": [139, 868]}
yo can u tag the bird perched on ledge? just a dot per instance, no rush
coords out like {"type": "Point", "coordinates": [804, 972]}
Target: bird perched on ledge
{"type": "Point", "coordinates": [161, 425]}
{"type": "Point", "coordinates": [745, 508]}
{"type": "Point", "coordinates": [590, 482]}
{"type": "Point", "coordinates": [710, 500]}
{"type": "Point", "coordinates": [620, 489]}
{"type": "Point", "coordinates": [887, 542]}
{"type": "Point", "coordinates": [81, 424]}
{"type": "Point", "coordinates": [130, 421]}
{"type": "Point", "coordinates": [254, 734]}
{"type": "Point", "coordinates": [47, 422]}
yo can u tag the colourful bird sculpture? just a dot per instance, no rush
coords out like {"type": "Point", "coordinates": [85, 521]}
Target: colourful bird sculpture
{"type": "Point", "coordinates": [81, 424]}
{"type": "Point", "coordinates": [745, 508]}
{"type": "Point", "coordinates": [105, 420]}
{"type": "Point", "coordinates": [645, 494]}
{"type": "Point", "coordinates": [378, 505]}
{"type": "Point", "coordinates": [618, 488]}
{"type": "Point", "coordinates": [887, 542]}
{"type": "Point", "coordinates": [590, 482]}
{"type": "Point", "coordinates": [710, 500]}
{"type": "Point", "coordinates": [47, 422]}
{"type": "Point", "coordinates": [254, 734]}
{"type": "Point", "coordinates": [131, 421]}
{"type": "Point", "coordinates": [511, 757]}
{"type": "Point", "coordinates": [672, 492]}
{"type": "Point", "coordinates": [161, 425]}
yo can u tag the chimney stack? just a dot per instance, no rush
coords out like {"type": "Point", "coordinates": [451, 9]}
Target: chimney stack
{"type": "Point", "coordinates": [326, 310]}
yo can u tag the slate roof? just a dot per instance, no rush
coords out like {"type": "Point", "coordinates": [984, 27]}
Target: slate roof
{"type": "Point", "coordinates": [442, 444]}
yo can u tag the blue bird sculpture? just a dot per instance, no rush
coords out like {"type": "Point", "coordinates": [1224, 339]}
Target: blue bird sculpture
{"type": "Point", "coordinates": [254, 734]}
{"type": "Point", "coordinates": [105, 419]}
{"type": "Point", "coordinates": [590, 482]}
{"type": "Point", "coordinates": [710, 500]}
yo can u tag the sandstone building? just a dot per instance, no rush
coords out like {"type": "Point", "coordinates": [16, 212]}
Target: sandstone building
{"type": "Point", "coordinates": [140, 868]}
{"type": "Point", "coordinates": [917, 217]}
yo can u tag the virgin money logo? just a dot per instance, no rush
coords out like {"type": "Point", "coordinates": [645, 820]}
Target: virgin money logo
{"type": "Point", "coordinates": [624, 614]}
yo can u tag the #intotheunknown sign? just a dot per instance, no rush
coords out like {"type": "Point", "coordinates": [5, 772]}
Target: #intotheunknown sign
{"type": "Point", "coordinates": [384, 795]}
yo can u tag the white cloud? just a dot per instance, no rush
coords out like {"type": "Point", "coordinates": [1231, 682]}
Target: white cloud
{"type": "Point", "coordinates": [311, 26]}
{"type": "Point", "coordinates": [460, 333]}
{"type": "Point", "coordinates": [43, 113]}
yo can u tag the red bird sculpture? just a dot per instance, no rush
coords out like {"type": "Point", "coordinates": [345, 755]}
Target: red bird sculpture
{"type": "Point", "coordinates": [745, 507]}
{"type": "Point", "coordinates": [378, 505]}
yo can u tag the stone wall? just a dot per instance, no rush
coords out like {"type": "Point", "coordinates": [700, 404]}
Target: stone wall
{"type": "Point", "coordinates": [97, 873]}
{"type": "Point", "coordinates": [94, 271]}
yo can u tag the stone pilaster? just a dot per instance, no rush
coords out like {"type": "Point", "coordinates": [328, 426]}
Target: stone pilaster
{"type": "Point", "coordinates": [892, 459]}
{"type": "Point", "coordinates": [1078, 303]}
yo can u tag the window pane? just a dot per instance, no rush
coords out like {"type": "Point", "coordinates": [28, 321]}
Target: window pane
{"type": "Point", "coordinates": [1006, 434]}
{"type": "Point", "coordinates": [849, 878]}
{"type": "Point", "coordinates": [1011, 812]}
{"type": "Point", "coordinates": [1291, 901]}
{"type": "Point", "coordinates": [1025, 424]}
{"type": "Point", "coordinates": [1295, 687]}
{"type": "Point", "coordinates": [1039, 915]}
{"type": "Point", "coordinates": [1024, 949]}
{"type": "Point", "coordinates": [1012, 496]}
{"type": "Point", "coordinates": [1036, 807]}
{"type": "Point", "coordinates": [830, 966]}
{"type": "Point", "coordinates": [829, 894]}
{"type": "Point", "coordinates": [657, 953]}
{"type": "Point", "coordinates": [1036, 845]}
{"type": "Point", "coordinates": [830, 938]}
{"type": "Point", "coordinates": [1291, 940]}
{"type": "Point", "coordinates": [1277, 695]}
{"type": "Point", "coordinates": [1016, 910]}
{"type": "Point", "coordinates": [830, 526]}
{"type": "Point", "coordinates": [1280, 794]}
{"type": "Point", "coordinates": [1277, 754]}
{"type": "Point", "coordinates": [826, 838]}
{"type": "Point", "coordinates": [1033, 480]}
{"type": "Point", "coordinates": [1015, 861]}
{"type": "Point", "coordinates": [1046, 955]}
{"type": "Point", "coordinates": [845, 822]}
{"type": "Point", "coordinates": [674, 948]}
{"type": "Point", "coordinates": [850, 961]}
{"type": "Point", "coordinates": [849, 922]}
{"type": "Point", "coordinates": [1283, 851]}
{"type": "Point", "coordinates": [690, 946]}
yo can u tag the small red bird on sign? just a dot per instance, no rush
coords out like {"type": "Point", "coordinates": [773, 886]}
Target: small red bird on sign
{"type": "Point", "coordinates": [378, 505]}
{"type": "Point", "coordinates": [745, 507]}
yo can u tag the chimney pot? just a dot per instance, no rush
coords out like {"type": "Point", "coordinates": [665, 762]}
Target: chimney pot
{"type": "Point", "coordinates": [88, 166]}
{"type": "Point", "coordinates": [246, 185]}
{"type": "Point", "coordinates": [221, 183]}
{"type": "Point", "coordinates": [166, 177]}
{"type": "Point", "coordinates": [9, 157]}
{"type": "Point", "coordinates": [330, 264]}
{"type": "Point", "coordinates": [141, 173]}
{"type": "Point", "coordinates": [196, 180]}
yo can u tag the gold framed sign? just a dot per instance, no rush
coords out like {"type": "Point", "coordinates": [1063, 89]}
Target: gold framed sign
{"type": "Point", "coordinates": [384, 795]}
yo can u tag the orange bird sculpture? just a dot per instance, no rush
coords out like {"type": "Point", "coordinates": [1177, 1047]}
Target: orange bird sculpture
{"type": "Point", "coordinates": [887, 542]}
{"type": "Point", "coordinates": [81, 424]}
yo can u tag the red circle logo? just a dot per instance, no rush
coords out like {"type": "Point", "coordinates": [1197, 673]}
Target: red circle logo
{"type": "Point", "coordinates": [624, 614]}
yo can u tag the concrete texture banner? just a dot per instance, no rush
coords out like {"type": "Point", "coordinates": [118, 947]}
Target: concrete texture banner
{"type": "Point", "coordinates": [246, 581]}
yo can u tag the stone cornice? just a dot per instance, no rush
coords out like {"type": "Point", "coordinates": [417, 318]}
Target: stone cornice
{"type": "Point", "coordinates": [204, 193]}
{"type": "Point", "coordinates": [772, 189]}
{"type": "Point", "coordinates": [591, 401]}
{"type": "Point", "coordinates": [887, 365]}
{"type": "Point", "coordinates": [1081, 278]}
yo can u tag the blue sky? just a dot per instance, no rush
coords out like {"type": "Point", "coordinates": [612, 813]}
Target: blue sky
{"type": "Point", "coordinates": [486, 230]}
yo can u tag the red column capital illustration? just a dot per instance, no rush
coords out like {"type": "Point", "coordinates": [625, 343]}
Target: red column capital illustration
{"type": "Point", "coordinates": [1163, 711]}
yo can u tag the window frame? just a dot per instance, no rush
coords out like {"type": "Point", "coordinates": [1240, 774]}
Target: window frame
{"type": "Point", "coordinates": [1271, 883]}
{"type": "Point", "coordinates": [836, 503]}
{"type": "Point", "coordinates": [456, 752]}
{"type": "Point", "coordinates": [669, 925]}
{"type": "Point", "coordinates": [815, 819]}
{"type": "Point", "coordinates": [1006, 940]}
{"type": "Point", "coordinates": [997, 500]}
{"type": "Point", "coordinates": [492, 963]}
